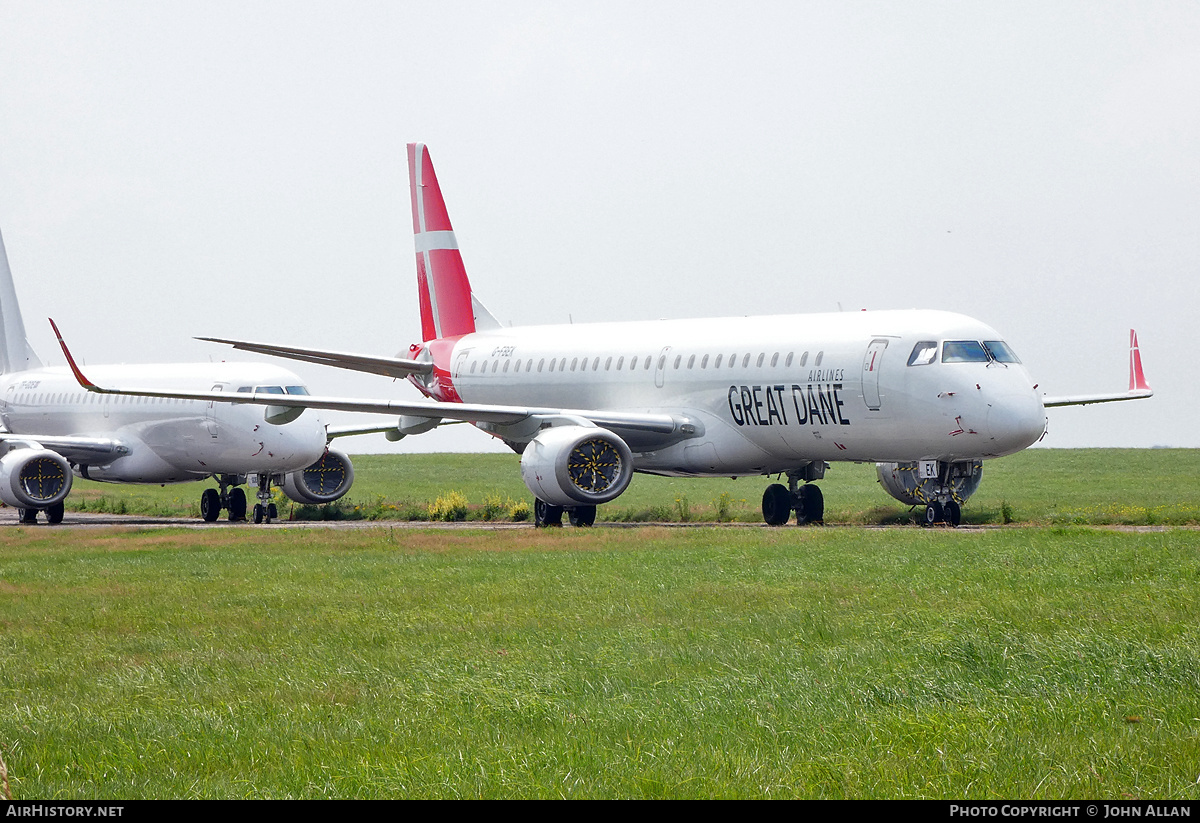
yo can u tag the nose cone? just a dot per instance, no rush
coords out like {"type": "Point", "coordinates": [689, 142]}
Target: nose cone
{"type": "Point", "coordinates": [1015, 422]}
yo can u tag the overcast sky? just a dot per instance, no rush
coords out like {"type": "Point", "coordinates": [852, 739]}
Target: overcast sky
{"type": "Point", "coordinates": [238, 169]}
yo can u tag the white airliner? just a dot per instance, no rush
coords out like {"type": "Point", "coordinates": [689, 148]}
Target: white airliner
{"type": "Point", "coordinates": [926, 395]}
{"type": "Point", "coordinates": [50, 429]}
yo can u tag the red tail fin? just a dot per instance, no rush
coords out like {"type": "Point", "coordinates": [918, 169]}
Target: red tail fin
{"type": "Point", "coordinates": [442, 285]}
{"type": "Point", "coordinates": [1137, 380]}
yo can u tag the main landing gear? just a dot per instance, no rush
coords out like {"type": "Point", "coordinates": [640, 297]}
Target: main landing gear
{"type": "Point", "coordinates": [232, 500]}
{"type": "Point", "coordinates": [54, 514]}
{"type": "Point", "coordinates": [806, 500]}
{"type": "Point", "coordinates": [545, 515]}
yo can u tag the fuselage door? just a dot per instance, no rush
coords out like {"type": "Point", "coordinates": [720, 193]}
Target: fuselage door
{"type": "Point", "coordinates": [460, 361]}
{"type": "Point", "coordinates": [872, 361]}
{"type": "Point", "coordinates": [660, 366]}
{"type": "Point", "coordinates": [210, 413]}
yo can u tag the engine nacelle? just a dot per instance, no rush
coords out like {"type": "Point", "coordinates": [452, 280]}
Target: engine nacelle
{"type": "Point", "coordinates": [576, 466]}
{"type": "Point", "coordinates": [34, 478]}
{"type": "Point", "coordinates": [322, 482]}
{"type": "Point", "coordinates": [903, 481]}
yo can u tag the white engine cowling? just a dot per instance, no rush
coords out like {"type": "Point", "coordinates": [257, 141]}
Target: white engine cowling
{"type": "Point", "coordinates": [322, 482]}
{"type": "Point", "coordinates": [903, 482]}
{"type": "Point", "coordinates": [34, 478]}
{"type": "Point", "coordinates": [576, 466]}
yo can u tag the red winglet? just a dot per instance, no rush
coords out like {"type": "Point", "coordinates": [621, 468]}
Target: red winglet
{"type": "Point", "coordinates": [83, 381]}
{"type": "Point", "coordinates": [1137, 379]}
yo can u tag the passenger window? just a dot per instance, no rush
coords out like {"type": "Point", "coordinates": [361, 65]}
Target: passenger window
{"type": "Point", "coordinates": [923, 353]}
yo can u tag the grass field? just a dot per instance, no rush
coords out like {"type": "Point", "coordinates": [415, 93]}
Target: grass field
{"type": "Point", "coordinates": [1038, 486]}
{"type": "Point", "coordinates": [1059, 661]}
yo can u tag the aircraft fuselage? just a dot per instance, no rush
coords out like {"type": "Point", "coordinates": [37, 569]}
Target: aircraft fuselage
{"type": "Point", "coordinates": [767, 393]}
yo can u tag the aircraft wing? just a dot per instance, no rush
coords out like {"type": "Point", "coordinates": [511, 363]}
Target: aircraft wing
{"type": "Point", "coordinates": [1088, 399]}
{"type": "Point", "coordinates": [348, 431]}
{"type": "Point", "coordinates": [85, 450]}
{"type": "Point", "coordinates": [1138, 387]}
{"type": "Point", "coordinates": [387, 366]}
{"type": "Point", "coordinates": [420, 415]}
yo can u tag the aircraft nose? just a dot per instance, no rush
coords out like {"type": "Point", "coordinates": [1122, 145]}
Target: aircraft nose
{"type": "Point", "coordinates": [1015, 423]}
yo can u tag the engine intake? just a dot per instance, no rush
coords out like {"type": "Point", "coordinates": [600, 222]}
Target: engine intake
{"type": "Point", "coordinates": [322, 482]}
{"type": "Point", "coordinates": [34, 478]}
{"type": "Point", "coordinates": [903, 482]}
{"type": "Point", "coordinates": [576, 465]}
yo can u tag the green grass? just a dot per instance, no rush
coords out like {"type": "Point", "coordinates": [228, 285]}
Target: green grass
{"type": "Point", "coordinates": [1048, 663]}
{"type": "Point", "coordinates": [1038, 486]}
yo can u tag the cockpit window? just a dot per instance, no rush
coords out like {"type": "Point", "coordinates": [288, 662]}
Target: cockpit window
{"type": "Point", "coordinates": [269, 390]}
{"type": "Point", "coordinates": [1000, 351]}
{"type": "Point", "coordinates": [297, 390]}
{"type": "Point", "coordinates": [923, 353]}
{"type": "Point", "coordinates": [244, 389]}
{"type": "Point", "coordinates": [963, 351]}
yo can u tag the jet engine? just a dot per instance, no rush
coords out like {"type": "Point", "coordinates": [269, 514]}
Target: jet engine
{"type": "Point", "coordinates": [903, 482]}
{"type": "Point", "coordinates": [322, 482]}
{"type": "Point", "coordinates": [576, 466]}
{"type": "Point", "coordinates": [34, 478]}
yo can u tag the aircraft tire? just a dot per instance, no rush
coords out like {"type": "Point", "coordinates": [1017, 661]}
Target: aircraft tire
{"type": "Point", "coordinates": [28, 516]}
{"type": "Point", "coordinates": [210, 505]}
{"type": "Point", "coordinates": [812, 505]}
{"type": "Point", "coordinates": [776, 504]}
{"type": "Point", "coordinates": [952, 512]}
{"type": "Point", "coordinates": [934, 514]}
{"type": "Point", "coordinates": [582, 515]}
{"type": "Point", "coordinates": [54, 514]}
{"type": "Point", "coordinates": [258, 513]}
{"type": "Point", "coordinates": [546, 515]}
{"type": "Point", "coordinates": [237, 505]}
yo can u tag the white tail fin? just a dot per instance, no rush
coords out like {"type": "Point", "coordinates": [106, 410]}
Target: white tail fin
{"type": "Point", "coordinates": [15, 352]}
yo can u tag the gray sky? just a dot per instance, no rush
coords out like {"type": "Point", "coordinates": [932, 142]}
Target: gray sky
{"type": "Point", "coordinates": [238, 169]}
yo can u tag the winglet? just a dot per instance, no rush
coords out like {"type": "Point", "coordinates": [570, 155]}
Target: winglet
{"type": "Point", "coordinates": [83, 381]}
{"type": "Point", "coordinates": [1137, 379]}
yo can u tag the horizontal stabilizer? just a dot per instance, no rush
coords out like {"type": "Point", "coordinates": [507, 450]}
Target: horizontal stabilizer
{"type": "Point", "coordinates": [387, 366]}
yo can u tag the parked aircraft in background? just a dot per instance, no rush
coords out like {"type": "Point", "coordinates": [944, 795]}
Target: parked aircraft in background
{"type": "Point", "coordinates": [50, 430]}
{"type": "Point", "coordinates": [926, 395]}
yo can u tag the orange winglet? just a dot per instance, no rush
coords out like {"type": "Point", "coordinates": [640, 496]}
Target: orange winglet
{"type": "Point", "coordinates": [83, 381]}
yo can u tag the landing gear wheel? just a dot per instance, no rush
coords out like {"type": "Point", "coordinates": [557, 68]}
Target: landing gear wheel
{"type": "Point", "coordinates": [54, 514]}
{"type": "Point", "coordinates": [952, 512]}
{"type": "Point", "coordinates": [933, 514]}
{"type": "Point", "coordinates": [811, 508]}
{"type": "Point", "coordinates": [776, 505]}
{"type": "Point", "coordinates": [546, 515]}
{"type": "Point", "coordinates": [272, 512]}
{"type": "Point", "coordinates": [258, 513]}
{"type": "Point", "coordinates": [28, 516]}
{"type": "Point", "coordinates": [237, 505]}
{"type": "Point", "coordinates": [210, 505]}
{"type": "Point", "coordinates": [582, 515]}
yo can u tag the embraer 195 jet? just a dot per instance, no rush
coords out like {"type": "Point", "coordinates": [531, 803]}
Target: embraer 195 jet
{"type": "Point", "coordinates": [51, 430]}
{"type": "Point", "coordinates": [926, 395]}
